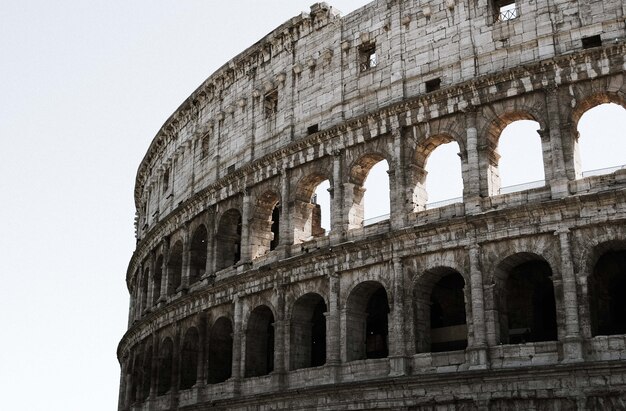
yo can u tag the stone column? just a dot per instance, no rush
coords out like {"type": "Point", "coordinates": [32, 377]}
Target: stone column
{"type": "Point", "coordinates": [164, 274]}
{"type": "Point", "coordinates": [202, 331]}
{"type": "Point", "coordinates": [337, 222]}
{"type": "Point", "coordinates": [477, 352]}
{"type": "Point", "coordinates": [278, 379]}
{"type": "Point", "coordinates": [175, 370]}
{"type": "Point", "coordinates": [284, 230]}
{"type": "Point", "coordinates": [184, 283]}
{"type": "Point", "coordinates": [397, 187]}
{"type": "Point", "coordinates": [553, 155]}
{"type": "Point", "coordinates": [333, 327]}
{"type": "Point", "coordinates": [472, 181]}
{"type": "Point", "coordinates": [209, 271]}
{"type": "Point", "coordinates": [155, 369]}
{"type": "Point", "coordinates": [237, 366]}
{"type": "Point", "coordinates": [245, 227]}
{"type": "Point", "coordinates": [572, 343]}
{"type": "Point", "coordinates": [151, 269]}
{"type": "Point", "coordinates": [397, 346]}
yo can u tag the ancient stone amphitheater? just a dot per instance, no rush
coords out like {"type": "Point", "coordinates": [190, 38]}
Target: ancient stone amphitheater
{"type": "Point", "coordinates": [241, 300]}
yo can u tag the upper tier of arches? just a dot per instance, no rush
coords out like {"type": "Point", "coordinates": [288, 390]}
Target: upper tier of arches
{"type": "Point", "coordinates": [305, 83]}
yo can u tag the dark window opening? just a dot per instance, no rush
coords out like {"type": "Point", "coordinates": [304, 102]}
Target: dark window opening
{"type": "Point", "coordinates": [432, 85]}
{"type": "Point", "coordinates": [158, 276]}
{"type": "Point", "coordinates": [220, 351]}
{"type": "Point", "coordinates": [175, 268]}
{"type": "Point", "coordinates": [166, 180]}
{"type": "Point", "coordinates": [313, 129]}
{"type": "Point", "coordinates": [147, 374]}
{"type": "Point", "coordinates": [531, 308]}
{"type": "Point", "coordinates": [367, 57]}
{"type": "Point", "coordinates": [260, 342]}
{"type": "Point", "coordinates": [230, 169]}
{"type": "Point", "coordinates": [198, 257]}
{"type": "Point", "coordinates": [166, 357]}
{"type": "Point", "coordinates": [228, 239]}
{"type": "Point", "coordinates": [592, 41]}
{"type": "Point", "coordinates": [189, 359]}
{"type": "Point", "coordinates": [505, 10]}
{"type": "Point", "coordinates": [447, 314]}
{"type": "Point", "coordinates": [308, 332]}
{"type": "Point", "coordinates": [376, 325]}
{"type": "Point", "coordinates": [270, 103]}
{"type": "Point", "coordinates": [607, 291]}
{"type": "Point", "coordinates": [275, 227]}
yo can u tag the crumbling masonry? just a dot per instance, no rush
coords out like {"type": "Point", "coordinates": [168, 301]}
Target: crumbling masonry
{"type": "Point", "coordinates": [240, 300]}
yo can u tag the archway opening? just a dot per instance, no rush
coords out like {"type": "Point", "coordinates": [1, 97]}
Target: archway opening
{"type": "Point", "coordinates": [135, 394]}
{"type": "Point", "coordinates": [158, 277]}
{"type": "Point", "coordinates": [260, 342]}
{"type": "Point", "coordinates": [164, 373]}
{"type": "Point", "coordinates": [220, 351]}
{"type": "Point", "coordinates": [147, 374]}
{"type": "Point", "coordinates": [189, 359]}
{"type": "Point", "coordinates": [527, 307]}
{"type": "Point", "coordinates": [228, 239]}
{"type": "Point", "coordinates": [607, 294]}
{"type": "Point", "coordinates": [198, 256]}
{"type": "Point", "coordinates": [367, 322]}
{"type": "Point", "coordinates": [312, 208]}
{"type": "Point", "coordinates": [601, 144]}
{"type": "Point", "coordinates": [308, 332]}
{"type": "Point", "coordinates": [376, 206]}
{"type": "Point", "coordinates": [265, 225]}
{"type": "Point", "coordinates": [144, 288]}
{"type": "Point", "coordinates": [519, 158]}
{"type": "Point", "coordinates": [443, 179]}
{"type": "Point", "coordinates": [175, 268]}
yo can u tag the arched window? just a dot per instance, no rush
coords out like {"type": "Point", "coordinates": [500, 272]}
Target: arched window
{"type": "Point", "coordinates": [443, 180]}
{"type": "Point", "coordinates": [198, 255]}
{"type": "Point", "coordinates": [228, 239]}
{"type": "Point", "coordinates": [147, 373]}
{"type": "Point", "coordinates": [525, 300]}
{"type": "Point", "coordinates": [260, 342]}
{"type": "Point", "coordinates": [308, 332]}
{"type": "Point", "coordinates": [265, 225]}
{"type": "Point", "coordinates": [440, 320]}
{"type": "Point", "coordinates": [175, 268]}
{"type": "Point", "coordinates": [189, 359]}
{"type": "Point", "coordinates": [601, 144]}
{"type": "Point", "coordinates": [220, 351]}
{"type": "Point", "coordinates": [367, 322]}
{"type": "Point", "coordinates": [607, 294]}
{"type": "Point", "coordinates": [520, 164]}
{"type": "Point", "coordinates": [378, 202]}
{"type": "Point", "coordinates": [164, 373]}
{"type": "Point", "coordinates": [311, 208]}
{"type": "Point", "coordinates": [135, 394]}
{"type": "Point", "coordinates": [144, 289]}
{"type": "Point", "coordinates": [157, 278]}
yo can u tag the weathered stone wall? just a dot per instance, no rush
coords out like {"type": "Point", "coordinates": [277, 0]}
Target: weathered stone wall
{"type": "Point", "coordinates": [210, 291]}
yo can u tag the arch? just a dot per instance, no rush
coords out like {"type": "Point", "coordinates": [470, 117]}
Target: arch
{"type": "Point", "coordinates": [189, 354]}
{"type": "Point", "coordinates": [308, 332]}
{"type": "Point", "coordinates": [198, 254]}
{"type": "Point", "coordinates": [366, 322]}
{"type": "Point", "coordinates": [157, 279]}
{"type": "Point", "coordinates": [147, 373]}
{"type": "Point", "coordinates": [260, 342]}
{"type": "Point", "coordinates": [607, 289]}
{"type": "Point", "coordinates": [442, 154]}
{"type": "Point", "coordinates": [175, 268]}
{"type": "Point", "coordinates": [307, 212]}
{"type": "Point", "coordinates": [493, 132]}
{"type": "Point", "coordinates": [144, 288]}
{"type": "Point", "coordinates": [524, 299]}
{"type": "Point", "coordinates": [228, 239]}
{"type": "Point", "coordinates": [600, 126]}
{"type": "Point", "coordinates": [520, 160]}
{"type": "Point", "coordinates": [265, 225]}
{"type": "Point", "coordinates": [439, 308]}
{"type": "Point", "coordinates": [220, 351]}
{"type": "Point", "coordinates": [355, 189]}
{"type": "Point", "coordinates": [166, 363]}
{"type": "Point", "coordinates": [136, 378]}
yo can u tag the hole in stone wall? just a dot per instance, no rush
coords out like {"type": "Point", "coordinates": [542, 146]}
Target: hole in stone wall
{"type": "Point", "coordinates": [260, 342]}
{"type": "Point", "coordinates": [432, 85]}
{"type": "Point", "coordinates": [367, 57]}
{"type": "Point", "coordinates": [228, 239]}
{"type": "Point", "coordinates": [444, 180]}
{"type": "Point", "coordinates": [308, 332]}
{"type": "Point", "coordinates": [505, 10]}
{"type": "Point", "coordinates": [367, 322]}
{"type": "Point", "coordinates": [220, 351]}
{"type": "Point", "coordinates": [270, 103]}
{"type": "Point", "coordinates": [447, 314]}
{"type": "Point", "coordinates": [189, 359]}
{"type": "Point", "coordinates": [376, 205]}
{"type": "Point", "coordinates": [591, 41]}
{"type": "Point", "coordinates": [607, 289]}
{"type": "Point", "coordinates": [312, 129]}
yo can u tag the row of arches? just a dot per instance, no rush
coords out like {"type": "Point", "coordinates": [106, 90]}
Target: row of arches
{"type": "Point", "coordinates": [269, 224]}
{"type": "Point", "coordinates": [523, 303]}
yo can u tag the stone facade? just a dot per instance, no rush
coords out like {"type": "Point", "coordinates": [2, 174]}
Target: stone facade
{"type": "Point", "coordinates": [240, 300]}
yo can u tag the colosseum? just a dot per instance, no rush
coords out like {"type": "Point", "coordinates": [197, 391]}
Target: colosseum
{"type": "Point", "coordinates": [242, 300]}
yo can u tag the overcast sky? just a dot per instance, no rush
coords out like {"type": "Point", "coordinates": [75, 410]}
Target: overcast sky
{"type": "Point", "coordinates": [84, 87]}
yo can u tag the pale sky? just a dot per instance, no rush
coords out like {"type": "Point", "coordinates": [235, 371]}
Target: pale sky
{"type": "Point", "coordinates": [84, 87]}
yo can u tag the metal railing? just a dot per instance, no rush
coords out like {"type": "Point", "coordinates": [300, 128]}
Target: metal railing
{"type": "Point", "coordinates": [504, 190]}
{"type": "Point", "coordinates": [507, 13]}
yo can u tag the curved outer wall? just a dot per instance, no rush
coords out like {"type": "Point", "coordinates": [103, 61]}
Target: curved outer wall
{"type": "Point", "coordinates": [211, 283]}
